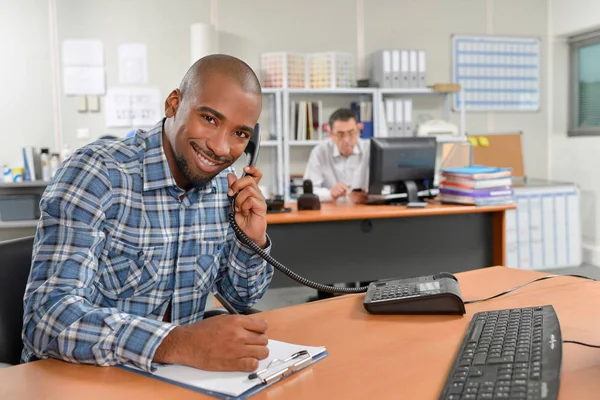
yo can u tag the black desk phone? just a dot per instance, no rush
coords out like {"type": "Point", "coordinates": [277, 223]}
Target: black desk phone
{"type": "Point", "coordinates": [434, 294]}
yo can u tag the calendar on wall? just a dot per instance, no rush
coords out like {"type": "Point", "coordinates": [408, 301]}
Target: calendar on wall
{"type": "Point", "coordinates": [496, 73]}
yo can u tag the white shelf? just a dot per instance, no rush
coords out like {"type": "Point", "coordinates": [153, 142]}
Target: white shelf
{"type": "Point", "coordinates": [451, 139]}
{"type": "Point", "coordinates": [304, 143]}
{"type": "Point", "coordinates": [333, 91]}
{"type": "Point", "coordinates": [18, 224]}
{"type": "Point", "coordinates": [270, 90]}
{"type": "Point", "coordinates": [269, 143]}
{"type": "Point", "coordinates": [28, 184]}
{"type": "Point", "coordinates": [409, 91]}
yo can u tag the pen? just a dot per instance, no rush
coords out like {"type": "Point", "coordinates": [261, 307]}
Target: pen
{"type": "Point", "coordinates": [225, 303]}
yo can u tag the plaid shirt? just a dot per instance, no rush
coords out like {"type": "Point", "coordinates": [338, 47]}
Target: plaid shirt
{"type": "Point", "coordinates": [115, 245]}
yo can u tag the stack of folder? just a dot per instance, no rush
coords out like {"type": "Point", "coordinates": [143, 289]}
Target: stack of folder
{"type": "Point", "coordinates": [476, 185]}
{"type": "Point", "coordinates": [404, 68]}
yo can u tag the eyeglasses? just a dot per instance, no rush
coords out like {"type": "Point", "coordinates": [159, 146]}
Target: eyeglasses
{"type": "Point", "coordinates": [342, 135]}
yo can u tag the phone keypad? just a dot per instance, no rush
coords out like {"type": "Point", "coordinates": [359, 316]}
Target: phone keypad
{"type": "Point", "coordinates": [395, 291]}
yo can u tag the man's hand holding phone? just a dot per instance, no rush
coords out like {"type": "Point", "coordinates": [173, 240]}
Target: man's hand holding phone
{"type": "Point", "coordinates": [250, 204]}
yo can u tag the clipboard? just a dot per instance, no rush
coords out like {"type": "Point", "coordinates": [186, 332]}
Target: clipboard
{"type": "Point", "coordinates": [240, 385]}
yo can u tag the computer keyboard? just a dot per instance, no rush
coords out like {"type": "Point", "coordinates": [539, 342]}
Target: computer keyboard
{"type": "Point", "coordinates": [508, 354]}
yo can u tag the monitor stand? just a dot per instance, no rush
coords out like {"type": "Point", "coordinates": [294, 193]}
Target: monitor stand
{"type": "Point", "coordinates": [411, 191]}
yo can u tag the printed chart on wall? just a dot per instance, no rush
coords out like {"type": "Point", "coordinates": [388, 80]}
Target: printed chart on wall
{"type": "Point", "coordinates": [497, 73]}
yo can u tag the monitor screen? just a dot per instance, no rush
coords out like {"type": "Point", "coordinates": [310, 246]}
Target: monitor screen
{"type": "Point", "coordinates": [394, 161]}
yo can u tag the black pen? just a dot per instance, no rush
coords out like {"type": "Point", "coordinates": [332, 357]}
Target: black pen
{"type": "Point", "coordinates": [225, 303]}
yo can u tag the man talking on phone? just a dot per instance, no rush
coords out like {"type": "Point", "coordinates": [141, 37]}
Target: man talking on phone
{"type": "Point", "coordinates": [335, 167]}
{"type": "Point", "coordinates": [133, 236]}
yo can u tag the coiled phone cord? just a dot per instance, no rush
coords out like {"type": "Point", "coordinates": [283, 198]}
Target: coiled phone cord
{"type": "Point", "coordinates": [282, 268]}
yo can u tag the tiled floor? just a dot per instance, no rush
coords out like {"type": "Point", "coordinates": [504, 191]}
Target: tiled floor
{"type": "Point", "coordinates": [277, 298]}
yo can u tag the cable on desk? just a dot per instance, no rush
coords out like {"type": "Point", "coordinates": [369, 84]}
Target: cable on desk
{"type": "Point", "coordinates": [542, 278]}
{"type": "Point", "coordinates": [582, 344]}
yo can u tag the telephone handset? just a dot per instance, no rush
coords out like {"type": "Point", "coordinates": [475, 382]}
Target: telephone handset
{"type": "Point", "coordinates": [252, 148]}
{"type": "Point", "coordinates": [252, 152]}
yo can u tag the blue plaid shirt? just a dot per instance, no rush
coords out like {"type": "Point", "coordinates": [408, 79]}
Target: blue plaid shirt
{"type": "Point", "coordinates": [115, 246]}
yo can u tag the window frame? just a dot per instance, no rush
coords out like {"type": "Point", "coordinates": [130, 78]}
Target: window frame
{"type": "Point", "coordinates": [575, 44]}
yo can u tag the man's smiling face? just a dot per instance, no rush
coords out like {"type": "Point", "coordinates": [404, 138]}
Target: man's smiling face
{"type": "Point", "coordinates": [209, 128]}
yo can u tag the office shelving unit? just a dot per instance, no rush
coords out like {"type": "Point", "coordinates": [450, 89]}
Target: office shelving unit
{"type": "Point", "coordinates": [275, 145]}
{"type": "Point", "coordinates": [377, 96]}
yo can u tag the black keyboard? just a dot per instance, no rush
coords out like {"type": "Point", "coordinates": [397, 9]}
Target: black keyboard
{"type": "Point", "coordinates": [508, 354]}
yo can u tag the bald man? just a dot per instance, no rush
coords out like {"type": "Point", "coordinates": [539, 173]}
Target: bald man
{"type": "Point", "coordinates": [133, 236]}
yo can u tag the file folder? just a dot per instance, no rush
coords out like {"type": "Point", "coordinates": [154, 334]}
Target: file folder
{"type": "Point", "coordinates": [381, 69]}
{"type": "Point", "coordinates": [404, 69]}
{"type": "Point", "coordinates": [407, 126]}
{"type": "Point", "coordinates": [422, 68]}
{"type": "Point", "coordinates": [382, 126]}
{"type": "Point", "coordinates": [390, 116]}
{"type": "Point", "coordinates": [413, 61]}
{"type": "Point", "coordinates": [396, 77]}
{"type": "Point", "coordinates": [399, 118]}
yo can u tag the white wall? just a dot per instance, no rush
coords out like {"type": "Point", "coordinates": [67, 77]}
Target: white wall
{"type": "Point", "coordinates": [429, 24]}
{"type": "Point", "coordinates": [574, 159]}
{"type": "Point", "coordinates": [570, 17]}
{"type": "Point", "coordinates": [163, 26]}
{"type": "Point", "coordinates": [246, 29]}
{"type": "Point", "coordinates": [25, 78]}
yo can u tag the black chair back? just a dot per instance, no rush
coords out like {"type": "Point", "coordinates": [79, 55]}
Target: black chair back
{"type": "Point", "coordinates": [15, 263]}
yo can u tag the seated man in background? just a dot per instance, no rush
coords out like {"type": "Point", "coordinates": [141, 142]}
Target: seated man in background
{"type": "Point", "coordinates": [335, 166]}
{"type": "Point", "coordinates": [133, 236]}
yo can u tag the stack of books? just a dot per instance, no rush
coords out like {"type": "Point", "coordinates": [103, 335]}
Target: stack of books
{"type": "Point", "coordinates": [476, 185]}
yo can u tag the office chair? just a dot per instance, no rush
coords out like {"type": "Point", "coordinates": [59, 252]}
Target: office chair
{"type": "Point", "coordinates": [15, 256]}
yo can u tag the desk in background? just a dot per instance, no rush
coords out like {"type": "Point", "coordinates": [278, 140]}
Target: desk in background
{"type": "Point", "coordinates": [370, 356]}
{"type": "Point", "coordinates": [349, 243]}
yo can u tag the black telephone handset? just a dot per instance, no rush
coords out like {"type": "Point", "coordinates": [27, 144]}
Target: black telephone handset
{"type": "Point", "coordinates": [253, 147]}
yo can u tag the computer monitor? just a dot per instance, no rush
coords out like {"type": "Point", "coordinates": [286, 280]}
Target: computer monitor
{"type": "Point", "coordinates": [402, 166]}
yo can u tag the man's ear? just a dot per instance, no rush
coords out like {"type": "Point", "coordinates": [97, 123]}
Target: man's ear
{"type": "Point", "coordinates": [327, 128]}
{"type": "Point", "coordinates": [360, 126]}
{"type": "Point", "coordinates": [172, 103]}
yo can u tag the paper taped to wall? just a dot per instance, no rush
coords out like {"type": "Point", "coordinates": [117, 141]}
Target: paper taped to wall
{"type": "Point", "coordinates": [137, 107]}
{"type": "Point", "coordinates": [133, 63]}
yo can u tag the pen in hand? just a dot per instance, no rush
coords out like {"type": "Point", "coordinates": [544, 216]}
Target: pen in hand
{"type": "Point", "coordinates": [225, 303]}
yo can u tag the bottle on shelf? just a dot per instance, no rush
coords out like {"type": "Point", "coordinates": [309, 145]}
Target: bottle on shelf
{"type": "Point", "coordinates": [66, 152]}
{"type": "Point", "coordinates": [45, 161]}
{"type": "Point", "coordinates": [54, 163]}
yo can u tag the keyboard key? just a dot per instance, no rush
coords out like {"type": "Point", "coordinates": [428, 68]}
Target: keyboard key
{"type": "Point", "coordinates": [479, 359]}
{"type": "Point", "coordinates": [518, 396]}
{"type": "Point", "coordinates": [500, 360]}
{"type": "Point", "coordinates": [456, 388]}
{"type": "Point", "coordinates": [522, 357]}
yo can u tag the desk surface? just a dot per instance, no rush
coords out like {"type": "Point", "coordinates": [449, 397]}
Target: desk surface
{"type": "Point", "coordinates": [370, 356]}
{"type": "Point", "coordinates": [345, 211]}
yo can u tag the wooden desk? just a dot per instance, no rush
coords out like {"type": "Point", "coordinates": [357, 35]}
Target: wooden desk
{"type": "Point", "coordinates": [370, 356]}
{"type": "Point", "coordinates": [339, 242]}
